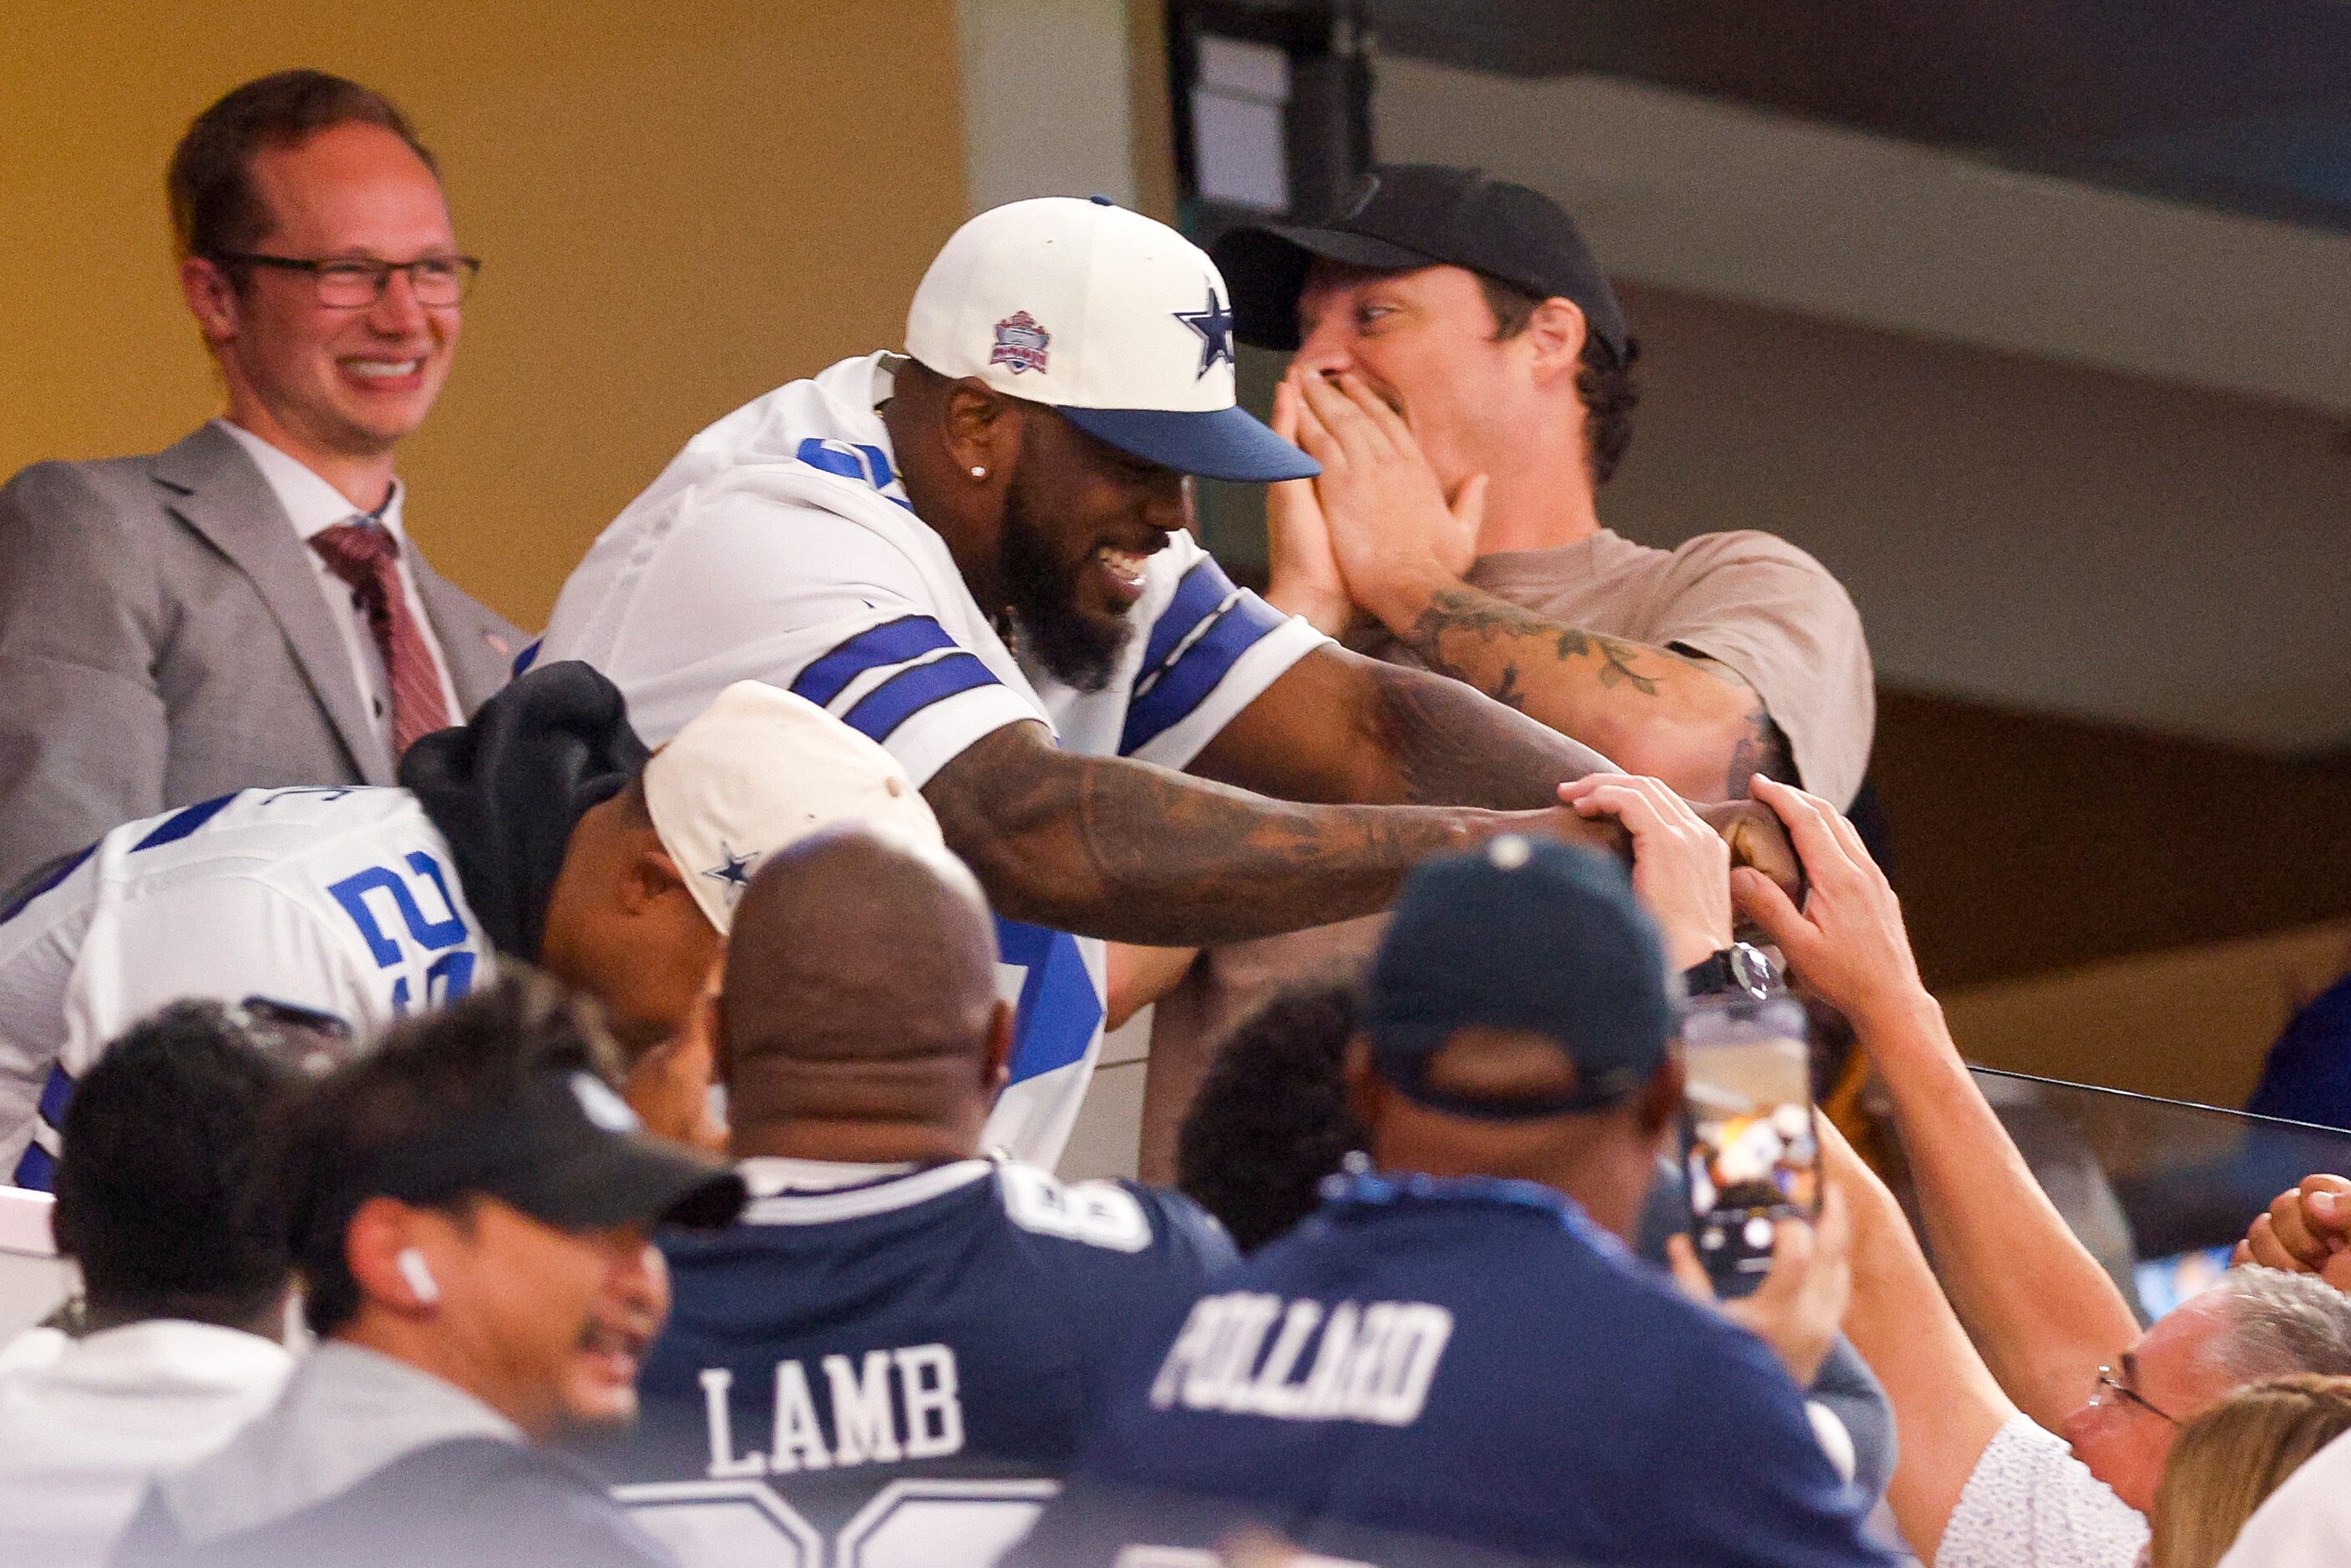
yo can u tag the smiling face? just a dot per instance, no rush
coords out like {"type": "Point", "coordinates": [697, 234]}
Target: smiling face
{"type": "Point", "coordinates": [339, 384]}
{"type": "Point", "coordinates": [1424, 342]}
{"type": "Point", "coordinates": [1080, 519]}
{"type": "Point", "coordinates": [556, 1321]}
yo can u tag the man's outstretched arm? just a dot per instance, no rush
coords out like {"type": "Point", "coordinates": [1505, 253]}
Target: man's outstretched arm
{"type": "Point", "coordinates": [1338, 726]}
{"type": "Point", "coordinates": [1105, 846]}
{"type": "Point", "coordinates": [2044, 1313]}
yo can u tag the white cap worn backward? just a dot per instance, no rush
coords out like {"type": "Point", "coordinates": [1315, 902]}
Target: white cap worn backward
{"type": "Point", "coordinates": [1119, 322]}
{"type": "Point", "coordinates": [760, 769]}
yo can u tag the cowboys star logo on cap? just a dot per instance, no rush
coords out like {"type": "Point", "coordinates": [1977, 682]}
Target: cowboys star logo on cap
{"type": "Point", "coordinates": [735, 870]}
{"type": "Point", "coordinates": [1214, 323]}
{"type": "Point", "coordinates": [1021, 343]}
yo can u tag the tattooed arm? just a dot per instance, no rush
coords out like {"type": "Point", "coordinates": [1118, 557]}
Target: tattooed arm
{"type": "Point", "coordinates": [1690, 721]}
{"type": "Point", "coordinates": [1105, 846]}
{"type": "Point", "coordinates": [1339, 726]}
{"type": "Point", "coordinates": [1376, 533]}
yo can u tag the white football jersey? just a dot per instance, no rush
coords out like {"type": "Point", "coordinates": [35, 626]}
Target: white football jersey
{"type": "Point", "coordinates": [780, 547]}
{"type": "Point", "coordinates": [343, 901]}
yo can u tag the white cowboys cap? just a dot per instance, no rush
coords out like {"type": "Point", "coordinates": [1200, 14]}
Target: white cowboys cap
{"type": "Point", "coordinates": [1119, 323]}
{"type": "Point", "coordinates": [760, 769]}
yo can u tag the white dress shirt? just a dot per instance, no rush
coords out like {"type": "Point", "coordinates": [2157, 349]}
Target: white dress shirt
{"type": "Point", "coordinates": [313, 506]}
{"type": "Point", "coordinates": [81, 1433]}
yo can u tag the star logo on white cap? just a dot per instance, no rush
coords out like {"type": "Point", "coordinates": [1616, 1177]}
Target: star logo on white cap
{"type": "Point", "coordinates": [736, 872]}
{"type": "Point", "coordinates": [1214, 323]}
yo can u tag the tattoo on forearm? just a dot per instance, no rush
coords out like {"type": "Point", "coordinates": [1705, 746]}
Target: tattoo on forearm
{"type": "Point", "coordinates": [1448, 745]}
{"type": "Point", "coordinates": [1617, 671]}
{"type": "Point", "coordinates": [1456, 614]}
{"type": "Point", "coordinates": [1121, 849]}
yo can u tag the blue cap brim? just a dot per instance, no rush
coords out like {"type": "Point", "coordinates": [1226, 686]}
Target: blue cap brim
{"type": "Point", "coordinates": [1215, 443]}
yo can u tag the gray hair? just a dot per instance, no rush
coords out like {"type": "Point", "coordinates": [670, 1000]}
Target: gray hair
{"type": "Point", "coordinates": [2280, 1323]}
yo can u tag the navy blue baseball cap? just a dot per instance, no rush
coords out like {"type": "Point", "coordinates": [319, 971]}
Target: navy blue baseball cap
{"type": "Point", "coordinates": [1403, 217]}
{"type": "Point", "coordinates": [1528, 935]}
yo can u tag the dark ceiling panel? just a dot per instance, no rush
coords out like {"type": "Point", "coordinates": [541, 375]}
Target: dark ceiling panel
{"type": "Point", "coordinates": [2236, 103]}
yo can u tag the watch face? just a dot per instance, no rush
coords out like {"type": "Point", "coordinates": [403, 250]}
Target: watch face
{"type": "Point", "coordinates": [1750, 969]}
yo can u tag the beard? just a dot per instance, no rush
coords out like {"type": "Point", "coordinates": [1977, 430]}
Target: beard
{"type": "Point", "coordinates": [1041, 603]}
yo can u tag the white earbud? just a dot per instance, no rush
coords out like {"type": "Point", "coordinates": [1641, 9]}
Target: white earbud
{"type": "Point", "coordinates": [412, 1268]}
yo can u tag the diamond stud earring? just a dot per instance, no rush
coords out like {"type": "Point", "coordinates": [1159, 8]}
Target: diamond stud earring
{"type": "Point", "coordinates": [978, 471]}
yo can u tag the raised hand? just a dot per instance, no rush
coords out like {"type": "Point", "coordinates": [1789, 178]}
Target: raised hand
{"type": "Point", "coordinates": [1802, 1300]}
{"type": "Point", "coordinates": [1681, 865]}
{"type": "Point", "coordinates": [1758, 842]}
{"type": "Point", "coordinates": [1396, 536]}
{"type": "Point", "coordinates": [2306, 1230]}
{"type": "Point", "coordinates": [1847, 943]}
{"type": "Point", "coordinates": [1302, 575]}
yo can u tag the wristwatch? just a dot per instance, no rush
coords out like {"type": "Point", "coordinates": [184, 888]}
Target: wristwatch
{"type": "Point", "coordinates": [1741, 967]}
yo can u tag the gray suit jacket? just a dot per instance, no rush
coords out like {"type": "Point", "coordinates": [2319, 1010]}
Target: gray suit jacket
{"type": "Point", "coordinates": [163, 640]}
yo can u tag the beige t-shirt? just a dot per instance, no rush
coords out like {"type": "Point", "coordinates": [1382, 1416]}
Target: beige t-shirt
{"type": "Point", "coordinates": [1752, 602]}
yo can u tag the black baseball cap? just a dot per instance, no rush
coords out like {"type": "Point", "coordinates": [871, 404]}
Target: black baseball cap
{"type": "Point", "coordinates": [1522, 934]}
{"type": "Point", "coordinates": [566, 1151]}
{"type": "Point", "coordinates": [1403, 217]}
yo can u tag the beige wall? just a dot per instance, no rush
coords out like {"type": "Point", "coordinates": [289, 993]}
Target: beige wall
{"type": "Point", "coordinates": [2193, 1024]}
{"type": "Point", "coordinates": [681, 205]}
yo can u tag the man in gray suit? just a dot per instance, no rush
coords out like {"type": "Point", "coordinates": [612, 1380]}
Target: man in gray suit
{"type": "Point", "coordinates": [244, 608]}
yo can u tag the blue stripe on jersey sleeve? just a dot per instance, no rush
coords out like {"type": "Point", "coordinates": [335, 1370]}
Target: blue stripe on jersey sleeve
{"type": "Point", "coordinates": [909, 691]}
{"type": "Point", "coordinates": [1188, 681]}
{"type": "Point", "coordinates": [37, 1170]}
{"type": "Point", "coordinates": [180, 824]}
{"type": "Point", "coordinates": [1204, 587]}
{"type": "Point", "coordinates": [43, 881]}
{"type": "Point", "coordinates": [56, 1096]}
{"type": "Point", "coordinates": [892, 642]}
{"type": "Point", "coordinates": [1058, 1010]}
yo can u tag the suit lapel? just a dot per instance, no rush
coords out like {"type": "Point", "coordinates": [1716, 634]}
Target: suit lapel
{"type": "Point", "coordinates": [210, 485]}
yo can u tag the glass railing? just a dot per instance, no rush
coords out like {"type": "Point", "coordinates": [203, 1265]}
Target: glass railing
{"type": "Point", "coordinates": [2159, 1190]}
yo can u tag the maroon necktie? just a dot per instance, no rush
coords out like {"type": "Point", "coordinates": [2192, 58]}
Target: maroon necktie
{"type": "Point", "coordinates": [365, 554]}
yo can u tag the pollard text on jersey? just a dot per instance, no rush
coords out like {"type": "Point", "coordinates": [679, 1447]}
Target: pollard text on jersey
{"type": "Point", "coordinates": [1371, 1363]}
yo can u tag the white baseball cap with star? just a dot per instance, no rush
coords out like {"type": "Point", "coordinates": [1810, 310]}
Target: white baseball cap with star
{"type": "Point", "coordinates": [760, 769]}
{"type": "Point", "coordinates": [1115, 321]}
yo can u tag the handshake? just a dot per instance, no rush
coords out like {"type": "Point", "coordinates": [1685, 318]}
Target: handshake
{"type": "Point", "coordinates": [1696, 869]}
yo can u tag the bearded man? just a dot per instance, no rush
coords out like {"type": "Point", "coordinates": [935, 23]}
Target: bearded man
{"type": "Point", "coordinates": [975, 554]}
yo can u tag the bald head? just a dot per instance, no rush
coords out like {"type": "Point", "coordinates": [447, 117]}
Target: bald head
{"type": "Point", "coordinates": [859, 1018]}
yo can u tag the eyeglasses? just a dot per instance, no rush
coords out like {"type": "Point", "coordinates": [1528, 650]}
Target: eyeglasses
{"type": "Point", "coordinates": [2109, 1382]}
{"type": "Point", "coordinates": [351, 283]}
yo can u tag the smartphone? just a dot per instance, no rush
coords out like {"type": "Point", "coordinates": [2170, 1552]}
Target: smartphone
{"type": "Point", "coordinates": [1751, 1156]}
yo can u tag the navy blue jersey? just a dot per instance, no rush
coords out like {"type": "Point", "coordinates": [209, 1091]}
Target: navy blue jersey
{"type": "Point", "coordinates": [1471, 1362]}
{"type": "Point", "coordinates": [893, 1370]}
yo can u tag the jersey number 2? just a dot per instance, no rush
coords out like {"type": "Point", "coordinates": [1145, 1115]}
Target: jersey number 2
{"type": "Point", "coordinates": [449, 976]}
